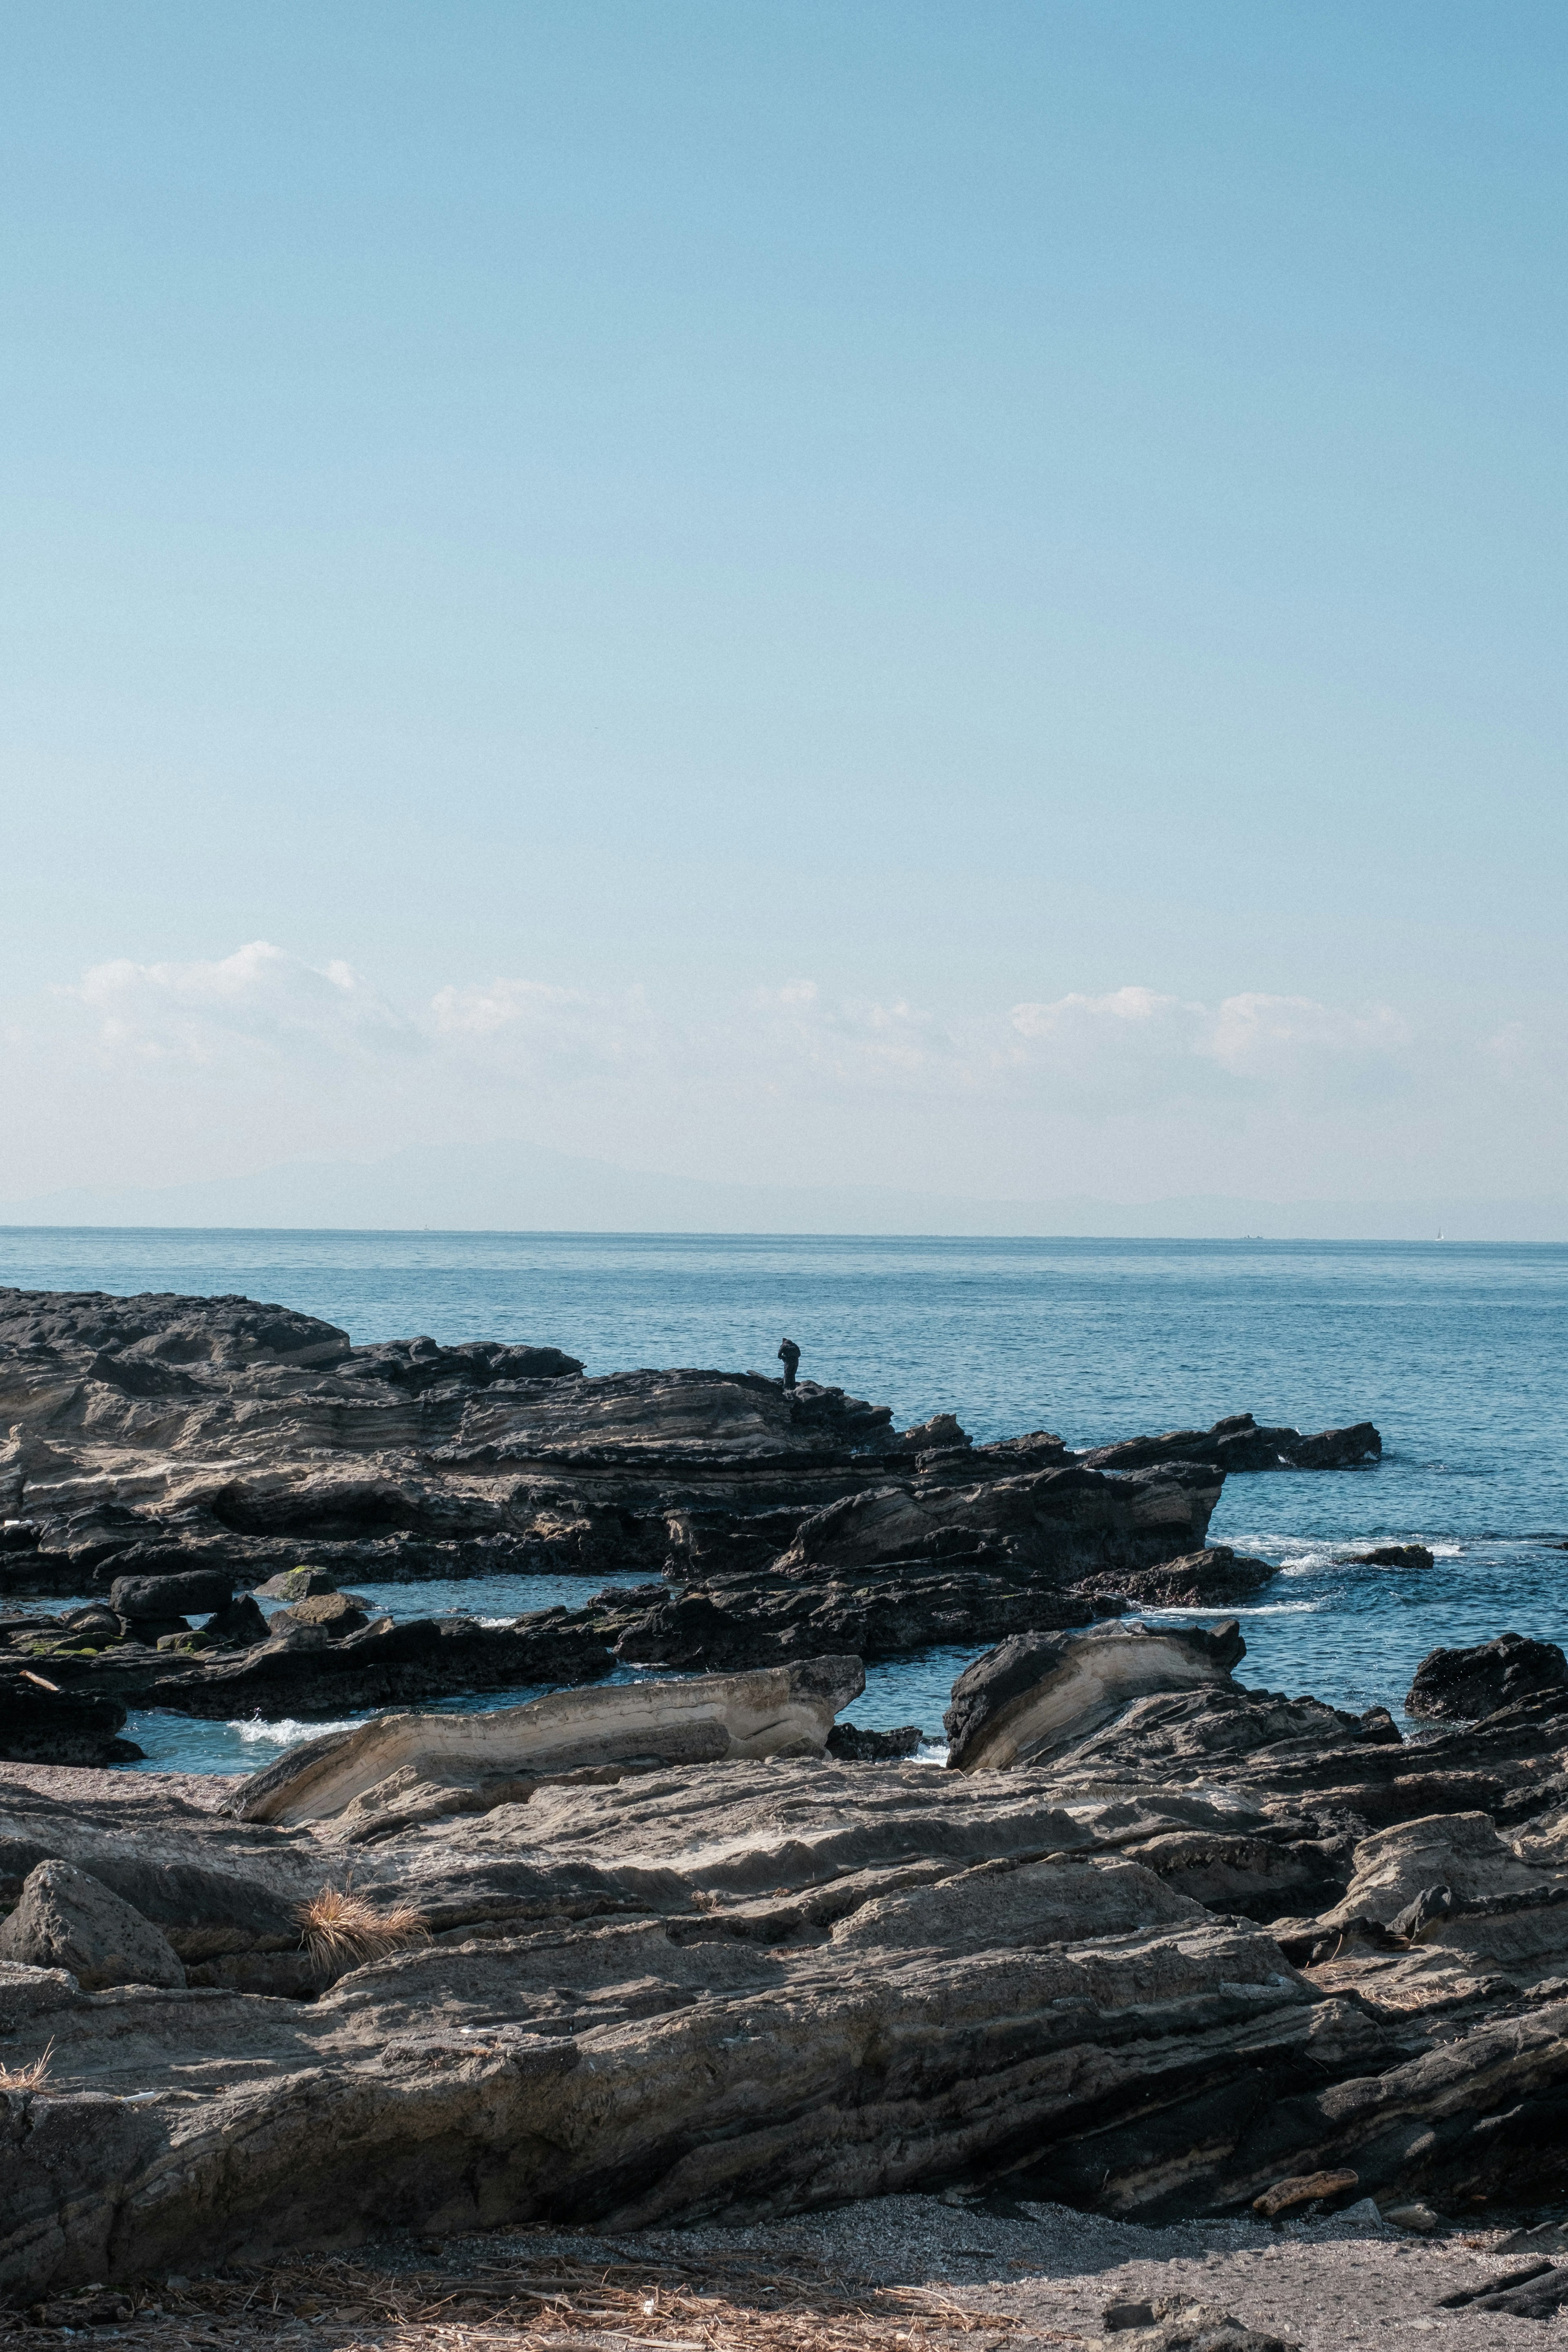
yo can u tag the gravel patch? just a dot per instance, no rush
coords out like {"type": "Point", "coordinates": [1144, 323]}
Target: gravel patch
{"type": "Point", "coordinates": [1347, 2281]}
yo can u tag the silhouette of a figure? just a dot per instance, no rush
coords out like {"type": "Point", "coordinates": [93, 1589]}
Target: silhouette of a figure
{"type": "Point", "coordinates": [789, 1357]}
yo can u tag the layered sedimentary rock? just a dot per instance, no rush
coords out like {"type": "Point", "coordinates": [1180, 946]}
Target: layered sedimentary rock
{"type": "Point", "coordinates": [1217, 1941]}
{"type": "Point", "coordinates": [170, 1433]}
{"type": "Point", "coordinates": [167, 1450]}
{"type": "Point", "coordinates": [898, 1569]}
{"type": "Point", "coordinates": [1035, 1694]}
{"type": "Point", "coordinates": [398, 1768]}
{"type": "Point", "coordinates": [166, 1435]}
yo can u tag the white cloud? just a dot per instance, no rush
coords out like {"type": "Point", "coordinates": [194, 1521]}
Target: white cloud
{"type": "Point", "coordinates": [504, 1004]}
{"type": "Point", "coordinates": [190, 1067]}
{"type": "Point", "coordinates": [798, 1033]}
{"type": "Point", "coordinates": [1273, 1036]}
{"type": "Point", "coordinates": [260, 998]}
{"type": "Point", "coordinates": [1136, 1036]}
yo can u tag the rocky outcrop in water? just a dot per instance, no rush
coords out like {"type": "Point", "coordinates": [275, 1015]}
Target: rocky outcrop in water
{"type": "Point", "coordinates": [1210, 1578]}
{"type": "Point", "coordinates": [1238, 1444]}
{"type": "Point", "coordinates": [164, 1433]}
{"type": "Point", "coordinates": [163, 1436]}
{"type": "Point", "coordinates": [1476, 1682]}
{"type": "Point", "coordinates": [168, 1449]}
{"type": "Point", "coordinates": [898, 1569]}
{"type": "Point", "coordinates": [1211, 1943]}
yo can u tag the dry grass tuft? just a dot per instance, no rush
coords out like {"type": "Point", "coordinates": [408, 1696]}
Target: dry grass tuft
{"type": "Point", "coordinates": [28, 2078]}
{"type": "Point", "coordinates": [340, 1929]}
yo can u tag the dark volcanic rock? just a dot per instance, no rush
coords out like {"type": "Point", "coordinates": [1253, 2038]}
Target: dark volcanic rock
{"type": "Point", "coordinates": [728, 1623]}
{"type": "Point", "coordinates": [1478, 1681]}
{"type": "Point", "coordinates": [1238, 1443]}
{"type": "Point", "coordinates": [194, 1594]}
{"type": "Point", "coordinates": [44, 1726]}
{"type": "Point", "coordinates": [1394, 1555]}
{"type": "Point", "coordinates": [847, 1744]}
{"type": "Point", "coordinates": [1204, 1579]}
{"type": "Point", "coordinates": [295, 1669]}
{"type": "Point", "coordinates": [1046, 1522]}
{"type": "Point", "coordinates": [239, 1626]}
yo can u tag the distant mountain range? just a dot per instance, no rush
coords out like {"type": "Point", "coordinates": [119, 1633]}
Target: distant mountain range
{"type": "Point", "coordinates": [514, 1188]}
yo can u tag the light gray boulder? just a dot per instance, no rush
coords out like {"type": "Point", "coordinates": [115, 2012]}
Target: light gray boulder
{"type": "Point", "coordinates": [69, 1920]}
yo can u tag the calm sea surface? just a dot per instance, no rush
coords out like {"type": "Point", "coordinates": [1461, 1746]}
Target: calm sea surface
{"type": "Point", "coordinates": [1458, 1352]}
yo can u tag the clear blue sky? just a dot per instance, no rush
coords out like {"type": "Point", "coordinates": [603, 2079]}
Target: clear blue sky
{"type": "Point", "coordinates": [954, 508]}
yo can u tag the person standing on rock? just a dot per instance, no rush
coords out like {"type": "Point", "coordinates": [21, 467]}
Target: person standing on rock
{"type": "Point", "coordinates": [789, 1357]}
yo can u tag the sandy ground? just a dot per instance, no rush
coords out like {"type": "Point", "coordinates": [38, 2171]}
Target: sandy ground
{"type": "Point", "coordinates": [1018, 2275]}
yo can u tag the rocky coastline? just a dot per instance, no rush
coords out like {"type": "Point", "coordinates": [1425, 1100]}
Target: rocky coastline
{"type": "Point", "coordinates": [1154, 1945]}
{"type": "Point", "coordinates": [154, 1441]}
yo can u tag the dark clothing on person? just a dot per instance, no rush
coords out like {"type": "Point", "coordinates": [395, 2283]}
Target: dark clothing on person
{"type": "Point", "coordinates": [789, 1357]}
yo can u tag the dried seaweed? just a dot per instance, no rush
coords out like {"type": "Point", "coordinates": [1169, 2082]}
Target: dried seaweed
{"type": "Point", "coordinates": [546, 2303]}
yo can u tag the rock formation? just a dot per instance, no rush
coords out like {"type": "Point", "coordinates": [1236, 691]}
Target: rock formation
{"type": "Point", "coordinates": [1033, 1695]}
{"type": "Point", "coordinates": [169, 1435]}
{"type": "Point", "coordinates": [1237, 1443]}
{"type": "Point", "coordinates": [1211, 1945]}
{"type": "Point", "coordinates": [399, 1769]}
{"type": "Point", "coordinates": [171, 1451]}
{"type": "Point", "coordinates": [1470, 1683]}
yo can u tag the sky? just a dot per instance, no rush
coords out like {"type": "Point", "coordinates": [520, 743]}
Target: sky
{"type": "Point", "coordinates": [964, 600]}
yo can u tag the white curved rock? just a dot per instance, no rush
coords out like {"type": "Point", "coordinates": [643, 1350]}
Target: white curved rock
{"type": "Point", "coordinates": [1032, 1698]}
{"type": "Point", "coordinates": [396, 1765]}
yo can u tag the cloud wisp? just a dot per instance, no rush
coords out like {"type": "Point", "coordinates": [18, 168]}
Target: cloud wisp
{"type": "Point", "coordinates": [179, 1067]}
{"type": "Point", "coordinates": [263, 1003]}
{"type": "Point", "coordinates": [1137, 1036]}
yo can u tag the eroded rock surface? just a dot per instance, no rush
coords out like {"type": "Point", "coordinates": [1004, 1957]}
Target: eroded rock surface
{"type": "Point", "coordinates": [1220, 1940]}
{"type": "Point", "coordinates": [1033, 1695]}
{"type": "Point", "coordinates": [400, 1769]}
{"type": "Point", "coordinates": [65, 1918]}
{"type": "Point", "coordinates": [171, 1449]}
{"type": "Point", "coordinates": [165, 1434]}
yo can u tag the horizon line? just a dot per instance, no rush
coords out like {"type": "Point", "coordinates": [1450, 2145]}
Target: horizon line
{"type": "Point", "coordinates": [763, 1234]}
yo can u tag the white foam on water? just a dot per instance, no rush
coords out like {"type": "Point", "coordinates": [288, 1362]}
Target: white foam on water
{"type": "Point", "coordinates": [1259, 1609]}
{"type": "Point", "coordinates": [287, 1733]}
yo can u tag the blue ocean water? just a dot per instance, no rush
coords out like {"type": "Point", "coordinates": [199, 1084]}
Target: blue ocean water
{"type": "Point", "coordinates": [1457, 1350]}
